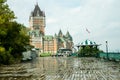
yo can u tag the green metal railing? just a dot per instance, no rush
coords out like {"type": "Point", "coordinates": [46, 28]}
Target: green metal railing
{"type": "Point", "coordinates": [110, 56]}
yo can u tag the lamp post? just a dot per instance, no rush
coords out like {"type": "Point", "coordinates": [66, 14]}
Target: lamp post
{"type": "Point", "coordinates": [107, 48]}
{"type": "Point", "coordinates": [78, 46]}
{"type": "Point", "coordinates": [48, 45]}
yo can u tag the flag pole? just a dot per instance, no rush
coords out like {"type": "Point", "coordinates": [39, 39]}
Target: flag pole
{"type": "Point", "coordinates": [88, 32]}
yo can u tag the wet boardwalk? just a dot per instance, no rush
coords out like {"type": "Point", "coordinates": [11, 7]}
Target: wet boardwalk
{"type": "Point", "coordinates": [62, 68]}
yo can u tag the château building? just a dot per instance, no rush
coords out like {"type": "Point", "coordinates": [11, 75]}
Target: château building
{"type": "Point", "coordinates": [46, 43]}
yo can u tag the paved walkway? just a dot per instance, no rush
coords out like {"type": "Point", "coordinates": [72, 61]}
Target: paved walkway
{"type": "Point", "coordinates": [62, 68]}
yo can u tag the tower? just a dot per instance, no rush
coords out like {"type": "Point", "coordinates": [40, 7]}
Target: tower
{"type": "Point", "coordinates": [37, 27]}
{"type": "Point", "coordinates": [37, 20]}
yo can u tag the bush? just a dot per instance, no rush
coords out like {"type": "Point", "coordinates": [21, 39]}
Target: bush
{"type": "Point", "coordinates": [45, 54]}
{"type": "Point", "coordinates": [88, 51]}
{"type": "Point", "coordinates": [5, 57]}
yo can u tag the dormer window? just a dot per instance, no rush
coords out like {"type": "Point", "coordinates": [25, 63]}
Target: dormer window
{"type": "Point", "coordinates": [37, 27]}
{"type": "Point", "coordinates": [38, 13]}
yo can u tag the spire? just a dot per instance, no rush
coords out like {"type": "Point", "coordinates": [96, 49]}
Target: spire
{"type": "Point", "coordinates": [68, 36]}
{"type": "Point", "coordinates": [55, 35]}
{"type": "Point", "coordinates": [60, 33]}
{"type": "Point", "coordinates": [37, 11]}
{"type": "Point", "coordinates": [36, 2]}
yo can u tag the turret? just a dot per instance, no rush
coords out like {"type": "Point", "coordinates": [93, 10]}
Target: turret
{"type": "Point", "coordinates": [37, 20]}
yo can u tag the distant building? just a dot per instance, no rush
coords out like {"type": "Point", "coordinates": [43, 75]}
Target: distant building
{"type": "Point", "coordinates": [46, 43]}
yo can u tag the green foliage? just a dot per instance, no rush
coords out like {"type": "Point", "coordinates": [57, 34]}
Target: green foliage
{"type": "Point", "coordinates": [13, 36]}
{"type": "Point", "coordinates": [2, 49]}
{"type": "Point", "coordinates": [45, 54]}
{"type": "Point", "coordinates": [6, 14]}
{"type": "Point", "coordinates": [88, 51]}
{"type": "Point", "coordinates": [5, 56]}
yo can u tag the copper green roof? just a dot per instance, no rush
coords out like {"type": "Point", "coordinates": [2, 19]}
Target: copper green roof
{"type": "Point", "coordinates": [62, 39]}
{"type": "Point", "coordinates": [60, 33]}
{"type": "Point", "coordinates": [68, 36]}
{"type": "Point", "coordinates": [35, 33]}
{"type": "Point", "coordinates": [88, 42]}
{"type": "Point", "coordinates": [48, 37]}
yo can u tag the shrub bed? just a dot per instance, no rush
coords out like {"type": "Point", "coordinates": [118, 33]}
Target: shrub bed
{"type": "Point", "coordinates": [45, 54]}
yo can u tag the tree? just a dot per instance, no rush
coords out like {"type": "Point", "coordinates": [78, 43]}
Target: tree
{"type": "Point", "coordinates": [13, 36]}
{"type": "Point", "coordinates": [6, 15]}
{"type": "Point", "coordinates": [89, 51]}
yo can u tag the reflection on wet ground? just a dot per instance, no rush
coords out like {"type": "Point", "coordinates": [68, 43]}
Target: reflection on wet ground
{"type": "Point", "coordinates": [62, 68]}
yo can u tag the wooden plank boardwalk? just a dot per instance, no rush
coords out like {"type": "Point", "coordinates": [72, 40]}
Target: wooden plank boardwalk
{"type": "Point", "coordinates": [88, 69]}
{"type": "Point", "coordinates": [63, 68]}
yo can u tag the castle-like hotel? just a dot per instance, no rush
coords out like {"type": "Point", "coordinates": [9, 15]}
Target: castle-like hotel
{"type": "Point", "coordinates": [46, 43]}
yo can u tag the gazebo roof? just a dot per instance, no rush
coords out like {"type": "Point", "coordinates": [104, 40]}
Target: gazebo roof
{"type": "Point", "coordinates": [88, 43]}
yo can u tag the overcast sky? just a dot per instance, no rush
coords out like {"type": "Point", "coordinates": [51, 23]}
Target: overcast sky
{"type": "Point", "coordinates": [100, 17]}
